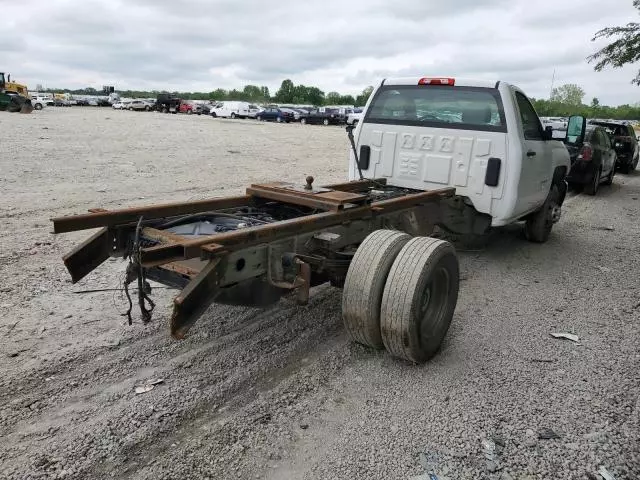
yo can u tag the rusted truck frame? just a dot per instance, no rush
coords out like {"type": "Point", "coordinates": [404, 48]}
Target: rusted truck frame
{"type": "Point", "coordinates": [283, 238]}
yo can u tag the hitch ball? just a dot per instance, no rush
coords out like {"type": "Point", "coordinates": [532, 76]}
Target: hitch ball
{"type": "Point", "coordinates": [309, 185]}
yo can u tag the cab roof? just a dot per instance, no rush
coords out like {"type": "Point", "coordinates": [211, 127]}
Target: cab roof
{"type": "Point", "coordinates": [453, 81]}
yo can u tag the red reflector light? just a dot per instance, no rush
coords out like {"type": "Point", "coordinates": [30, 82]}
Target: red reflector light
{"type": "Point", "coordinates": [437, 81]}
{"type": "Point", "coordinates": [586, 154]}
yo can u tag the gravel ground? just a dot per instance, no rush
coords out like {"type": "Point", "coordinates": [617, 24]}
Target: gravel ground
{"type": "Point", "coordinates": [281, 393]}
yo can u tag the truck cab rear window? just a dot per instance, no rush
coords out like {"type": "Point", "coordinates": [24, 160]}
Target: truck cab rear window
{"type": "Point", "coordinates": [468, 108]}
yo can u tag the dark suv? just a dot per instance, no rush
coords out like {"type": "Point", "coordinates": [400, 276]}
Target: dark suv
{"type": "Point", "coordinates": [624, 140]}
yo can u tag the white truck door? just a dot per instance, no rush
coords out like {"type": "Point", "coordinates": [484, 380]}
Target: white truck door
{"type": "Point", "coordinates": [535, 174]}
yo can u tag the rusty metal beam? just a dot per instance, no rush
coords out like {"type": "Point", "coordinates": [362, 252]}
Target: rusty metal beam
{"type": "Point", "coordinates": [294, 198]}
{"type": "Point", "coordinates": [357, 185]}
{"type": "Point", "coordinates": [214, 245]}
{"type": "Point", "coordinates": [89, 255]}
{"type": "Point", "coordinates": [162, 236]}
{"type": "Point", "coordinates": [196, 297]}
{"type": "Point", "coordinates": [110, 218]}
{"type": "Point", "coordinates": [229, 241]}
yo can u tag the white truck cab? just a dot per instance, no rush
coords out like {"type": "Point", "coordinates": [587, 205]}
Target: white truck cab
{"type": "Point", "coordinates": [481, 137]}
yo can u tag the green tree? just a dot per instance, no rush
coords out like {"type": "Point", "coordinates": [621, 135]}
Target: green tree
{"type": "Point", "coordinates": [332, 98]}
{"type": "Point", "coordinates": [569, 94]}
{"type": "Point", "coordinates": [347, 100]}
{"type": "Point", "coordinates": [315, 96]}
{"type": "Point", "coordinates": [252, 93]}
{"type": "Point", "coordinates": [361, 99]}
{"type": "Point", "coordinates": [622, 51]}
{"type": "Point", "coordinates": [595, 103]}
{"type": "Point", "coordinates": [286, 92]}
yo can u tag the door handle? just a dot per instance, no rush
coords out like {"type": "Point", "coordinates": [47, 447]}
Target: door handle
{"type": "Point", "coordinates": [531, 153]}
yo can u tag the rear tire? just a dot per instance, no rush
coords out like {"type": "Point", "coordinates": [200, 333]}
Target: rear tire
{"type": "Point", "coordinates": [364, 285]}
{"type": "Point", "coordinates": [259, 118]}
{"type": "Point", "coordinates": [592, 187]}
{"type": "Point", "coordinates": [147, 108]}
{"type": "Point", "coordinates": [189, 112]}
{"type": "Point", "coordinates": [609, 179]}
{"type": "Point", "coordinates": [538, 227]}
{"type": "Point", "coordinates": [37, 106]}
{"type": "Point", "coordinates": [233, 115]}
{"type": "Point", "coordinates": [419, 299]}
{"type": "Point", "coordinates": [279, 119]}
{"type": "Point", "coordinates": [303, 121]}
{"type": "Point", "coordinates": [626, 168]}
{"type": "Point", "coordinates": [325, 121]}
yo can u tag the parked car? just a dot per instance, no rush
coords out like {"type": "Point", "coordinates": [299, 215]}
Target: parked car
{"type": "Point", "coordinates": [275, 114]}
{"type": "Point", "coordinates": [38, 102]}
{"type": "Point", "coordinates": [557, 123]}
{"type": "Point", "coordinates": [593, 160]}
{"type": "Point", "coordinates": [295, 112]}
{"type": "Point", "coordinates": [327, 117]}
{"type": "Point", "coordinates": [354, 117]}
{"type": "Point", "coordinates": [61, 102]}
{"type": "Point", "coordinates": [231, 109]}
{"type": "Point", "coordinates": [625, 142]}
{"type": "Point", "coordinates": [167, 103]}
{"type": "Point", "coordinates": [253, 111]}
{"type": "Point", "coordinates": [482, 138]}
{"type": "Point", "coordinates": [118, 105]}
{"type": "Point", "coordinates": [189, 107]}
{"type": "Point", "coordinates": [138, 105]}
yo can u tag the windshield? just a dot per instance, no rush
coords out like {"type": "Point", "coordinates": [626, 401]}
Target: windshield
{"type": "Point", "coordinates": [444, 107]}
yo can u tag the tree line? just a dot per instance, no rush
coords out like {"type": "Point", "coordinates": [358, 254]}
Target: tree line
{"type": "Point", "coordinates": [568, 100]}
{"type": "Point", "coordinates": [288, 93]}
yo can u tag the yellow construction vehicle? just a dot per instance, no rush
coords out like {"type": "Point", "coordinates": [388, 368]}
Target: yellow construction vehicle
{"type": "Point", "coordinates": [14, 97]}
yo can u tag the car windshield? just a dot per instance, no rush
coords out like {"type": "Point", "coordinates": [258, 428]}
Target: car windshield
{"type": "Point", "coordinates": [434, 106]}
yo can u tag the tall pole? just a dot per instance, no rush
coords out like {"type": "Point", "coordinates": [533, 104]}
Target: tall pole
{"type": "Point", "coordinates": [553, 77]}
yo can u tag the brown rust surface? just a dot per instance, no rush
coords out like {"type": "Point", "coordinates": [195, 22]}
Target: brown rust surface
{"type": "Point", "coordinates": [88, 255]}
{"type": "Point", "coordinates": [129, 215]}
{"type": "Point", "coordinates": [214, 245]}
{"type": "Point", "coordinates": [194, 299]}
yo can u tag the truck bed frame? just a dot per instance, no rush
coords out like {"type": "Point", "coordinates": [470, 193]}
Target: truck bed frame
{"type": "Point", "coordinates": [275, 239]}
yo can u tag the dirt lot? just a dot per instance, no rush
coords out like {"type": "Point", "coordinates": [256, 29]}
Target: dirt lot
{"type": "Point", "coordinates": [281, 393]}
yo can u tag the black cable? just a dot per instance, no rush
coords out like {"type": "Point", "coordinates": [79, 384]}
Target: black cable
{"type": "Point", "coordinates": [349, 129]}
{"type": "Point", "coordinates": [143, 286]}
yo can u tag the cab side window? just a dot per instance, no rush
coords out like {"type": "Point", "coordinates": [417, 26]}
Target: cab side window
{"type": "Point", "coordinates": [530, 121]}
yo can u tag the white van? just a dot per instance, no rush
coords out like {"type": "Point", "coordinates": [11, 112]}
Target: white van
{"type": "Point", "coordinates": [481, 137]}
{"type": "Point", "coordinates": [231, 109]}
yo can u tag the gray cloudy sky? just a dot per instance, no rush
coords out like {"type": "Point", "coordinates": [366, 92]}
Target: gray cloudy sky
{"type": "Point", "coordinates": [341, 45]}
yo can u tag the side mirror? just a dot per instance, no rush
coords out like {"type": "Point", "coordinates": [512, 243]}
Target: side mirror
{"type": "Point", "coordinates": [548, 132]}
{"type": "Point", "coordinates": [576, 128]}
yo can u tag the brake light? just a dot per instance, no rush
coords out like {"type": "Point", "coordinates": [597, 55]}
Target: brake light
{"type": "Point", "coordinates": [586, 154]}
{"type": "Point", "coordinates": [437, 81]}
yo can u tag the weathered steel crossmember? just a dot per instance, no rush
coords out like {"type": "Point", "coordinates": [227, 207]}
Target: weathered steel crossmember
{"type": "Point", "coordinates": [254, 265]}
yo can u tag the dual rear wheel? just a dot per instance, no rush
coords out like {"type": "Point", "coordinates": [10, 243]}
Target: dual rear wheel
{"type": "Point", "coordinates": [400, 293]}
